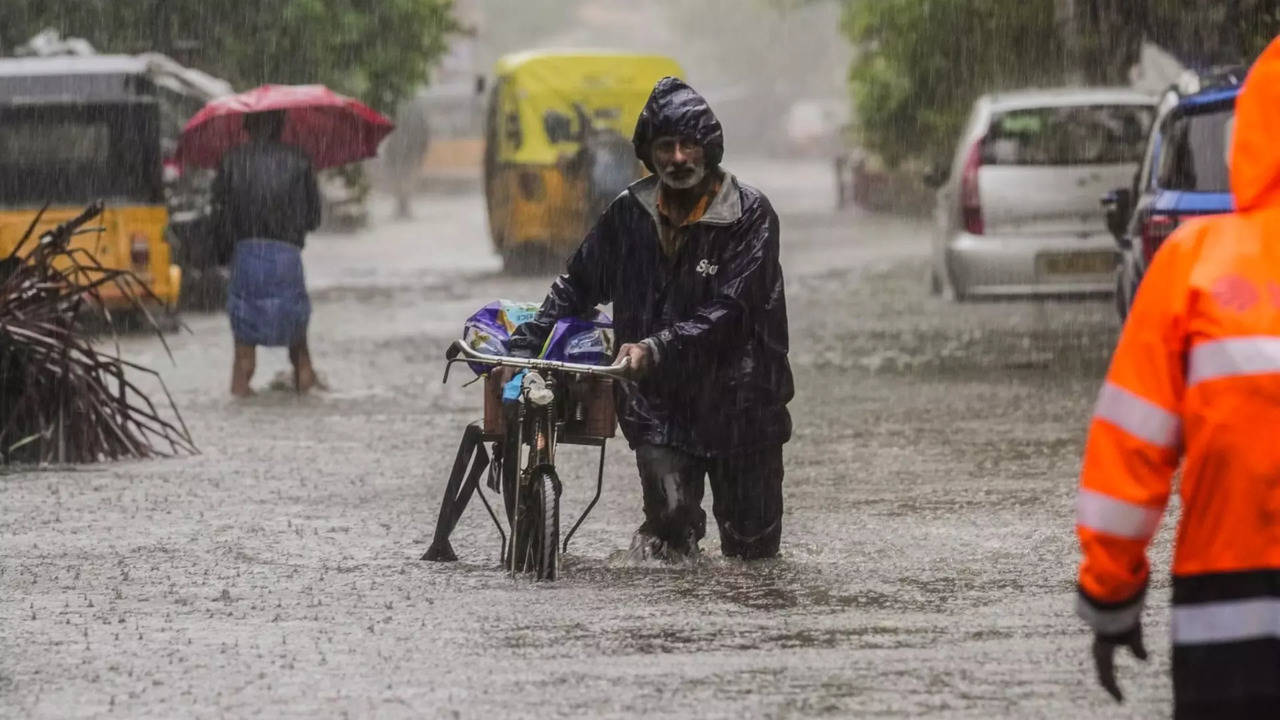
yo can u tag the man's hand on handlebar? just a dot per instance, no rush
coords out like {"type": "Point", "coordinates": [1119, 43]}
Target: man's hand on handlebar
{"type": "Point", "coordinates": [640, 357]}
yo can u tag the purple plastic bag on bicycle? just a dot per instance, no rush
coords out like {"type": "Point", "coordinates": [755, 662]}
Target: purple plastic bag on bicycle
{"type": "Point", "coordinates": [586, 340]}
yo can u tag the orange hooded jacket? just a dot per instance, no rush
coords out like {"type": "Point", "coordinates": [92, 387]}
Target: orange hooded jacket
{"type": "Point", "coordinates": [1196, 378]}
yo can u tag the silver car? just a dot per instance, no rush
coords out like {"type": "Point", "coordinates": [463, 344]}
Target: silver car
{"type": "Point", "coordinates": [1018, 212]}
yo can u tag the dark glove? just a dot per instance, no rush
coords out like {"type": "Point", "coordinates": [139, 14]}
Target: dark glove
{"type": "Point", "coordinates": [1104, 657]}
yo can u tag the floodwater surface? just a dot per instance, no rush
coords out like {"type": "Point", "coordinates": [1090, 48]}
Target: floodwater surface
{"type": "Point", "coordinates": [928, 553]}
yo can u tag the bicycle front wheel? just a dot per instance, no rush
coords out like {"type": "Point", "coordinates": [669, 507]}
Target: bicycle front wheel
{"type": "Point", "coordinates": [537, 542]}
{"type": "Point", "coordinates": [548, 492]}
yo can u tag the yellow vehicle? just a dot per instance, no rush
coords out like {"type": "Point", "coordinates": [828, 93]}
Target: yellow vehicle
{"type": "Point", "coordinates": [558, 146]}
{"type": "Point", "coordinates": [78, 129]}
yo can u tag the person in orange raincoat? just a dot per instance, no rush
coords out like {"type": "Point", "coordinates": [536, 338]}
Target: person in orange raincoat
{"type": "Point", "coordinates": [1196, 378]}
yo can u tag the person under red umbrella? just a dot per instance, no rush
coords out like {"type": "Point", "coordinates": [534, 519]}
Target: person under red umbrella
{"type": "Point", "coordinates": [267, 144]}
{"type": "Point", "coordinates": [265, 201]}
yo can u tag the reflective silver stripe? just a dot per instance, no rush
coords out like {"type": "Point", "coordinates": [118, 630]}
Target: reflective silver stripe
{"type": "Point", "coordinates": [1137, 416]}
{"type": "Point", "coordinates": [1109, 622]}
{"type": "Point", "coordinates": [1106, 514]}
{"type": "Point", "coordinates": [1252, 355]}
{"type": "Point", "coordinates": [1227, 621]}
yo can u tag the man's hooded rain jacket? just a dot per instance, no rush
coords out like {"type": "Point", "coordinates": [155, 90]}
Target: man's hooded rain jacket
{"type": "Point", "coordinates": [1196, 378]}
{"type": "Point", "coordinates": [715, 314]}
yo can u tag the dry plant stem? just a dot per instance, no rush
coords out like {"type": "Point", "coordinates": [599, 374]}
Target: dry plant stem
{"type": "Point", "coordinates": [61, 399]}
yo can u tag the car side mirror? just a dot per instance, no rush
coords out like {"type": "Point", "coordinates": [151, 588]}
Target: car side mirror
{"type": "Point", "coordinates": [936, 177]}
{"type": "Point", "coordinates": [1118, 204]}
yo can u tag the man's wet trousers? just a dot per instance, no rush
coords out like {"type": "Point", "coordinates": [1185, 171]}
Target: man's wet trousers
{"type": "Point", "coordinates": [746, 494]}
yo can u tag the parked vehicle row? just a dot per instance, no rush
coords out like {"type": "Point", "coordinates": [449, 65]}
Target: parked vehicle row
{"type": "Point", "coordinates": [1018, 209]}
{"type": "Point", "coordinates": [1072, 191]}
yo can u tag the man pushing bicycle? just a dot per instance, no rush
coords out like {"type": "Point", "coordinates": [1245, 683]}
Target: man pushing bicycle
{"type": "Point", "coordinates": [689, 258]}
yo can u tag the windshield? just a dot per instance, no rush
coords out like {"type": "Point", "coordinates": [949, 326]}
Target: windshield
{"type": "Point", "coordinates": [1195, 152]}
{"type": "Point", "coordinates": [1072, 135]}
{"type": "Point", "coordinates": [76, 154]}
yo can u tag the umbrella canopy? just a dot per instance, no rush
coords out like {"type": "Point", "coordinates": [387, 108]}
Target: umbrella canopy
{"type": "Point", "coordinates": [332, 129]}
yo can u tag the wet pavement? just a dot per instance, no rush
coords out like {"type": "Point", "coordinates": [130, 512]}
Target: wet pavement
{"type": "Point", "coordinates": [928, 550]}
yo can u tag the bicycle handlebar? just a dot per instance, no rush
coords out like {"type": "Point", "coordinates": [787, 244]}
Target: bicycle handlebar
{"type": "Point", "coordinates": [620, 370]}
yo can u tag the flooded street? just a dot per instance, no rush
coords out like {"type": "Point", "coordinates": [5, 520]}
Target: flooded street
{"type": "Point", "coordinates": [928, 559]}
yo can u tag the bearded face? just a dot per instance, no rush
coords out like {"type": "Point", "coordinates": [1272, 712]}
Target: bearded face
{"type": "Point", "coordinates": [680, 163]}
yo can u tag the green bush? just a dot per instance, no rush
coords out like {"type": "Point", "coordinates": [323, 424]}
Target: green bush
{"type": "Point", "coordinates": [376, 50]}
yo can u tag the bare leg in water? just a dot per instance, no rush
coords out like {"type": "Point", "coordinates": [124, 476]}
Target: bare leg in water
{"type": "Point", "coordinates": [242, 370]}
{"type": "Point", "coordinates": [304, 375]}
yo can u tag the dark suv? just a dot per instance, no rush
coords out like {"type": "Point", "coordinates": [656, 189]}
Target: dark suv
{"type": "Point", "coordinates": [1183, 175]}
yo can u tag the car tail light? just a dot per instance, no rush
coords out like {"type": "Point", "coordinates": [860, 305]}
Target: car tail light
{"type": "Point", "coordinates": [139, 251]}
{"type": "Point", "coordinates": [970, 197]}
{"type": "Point", "coordinates": [1154, 230]}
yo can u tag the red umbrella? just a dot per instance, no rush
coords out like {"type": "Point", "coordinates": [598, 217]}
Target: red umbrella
{"type": "Point", "coordinates": [330, 128]}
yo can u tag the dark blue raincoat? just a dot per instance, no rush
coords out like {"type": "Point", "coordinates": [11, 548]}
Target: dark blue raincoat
{"type": "Point", "coordinates": [716, 314]}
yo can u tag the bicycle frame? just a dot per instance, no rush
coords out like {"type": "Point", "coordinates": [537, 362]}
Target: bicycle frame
{"type": "Point", "coordinates": [542, 419]}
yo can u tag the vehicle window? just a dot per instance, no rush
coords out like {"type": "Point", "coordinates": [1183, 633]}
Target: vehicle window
{"type": "Point", "coordinates": [1195, 152]}
{"type": "Point", "coordinates": [76, 154]}
{"type": "Point", "coordinates": [1076, 135]}
{"type": "Point", "coordinates": [60, 143]}
{"type": "Point", "coordinates": [513, 133]}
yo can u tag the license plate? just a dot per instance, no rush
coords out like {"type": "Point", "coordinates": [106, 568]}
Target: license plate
{"type": "Point", "coordinates": [1082, 263]}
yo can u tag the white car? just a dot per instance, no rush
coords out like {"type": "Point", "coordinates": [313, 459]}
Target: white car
{"type": "Point", "coordinates": [1019, 212]}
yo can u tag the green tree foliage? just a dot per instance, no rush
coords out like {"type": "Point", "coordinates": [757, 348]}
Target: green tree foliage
{"type": "Point", "coordinates": [1107, 38]}
{"type": "Point", "coordinates": [377, 50]}
{"type": "Point", "coordinates": [1223, 32]}
{"type": "Point", "coordinates": [921, 63]}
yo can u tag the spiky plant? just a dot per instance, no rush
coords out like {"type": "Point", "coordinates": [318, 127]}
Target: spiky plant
{"type": "Point", "coordinates": [62, 400]}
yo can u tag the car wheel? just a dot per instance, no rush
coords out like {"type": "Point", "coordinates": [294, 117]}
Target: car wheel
{"type": "Point", "coordinates": [947, 283]}
{"type": "Point", "coordinates": [954, 292]}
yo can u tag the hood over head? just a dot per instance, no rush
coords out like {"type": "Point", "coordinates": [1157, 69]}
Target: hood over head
{"type": "Point", "coordinates": [1255, 150]}
{"type": "Point", "coordinates": [675, 109]}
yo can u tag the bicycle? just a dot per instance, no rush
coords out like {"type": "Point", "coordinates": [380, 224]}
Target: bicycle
{"type": "Point", "coordinates": [558, 403]}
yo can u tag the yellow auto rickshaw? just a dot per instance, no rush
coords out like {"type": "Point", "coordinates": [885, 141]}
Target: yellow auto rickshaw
{"type": "Point", "coordinates": [558, 148]}
{"type": "Point", "coordinates": [78, 129]}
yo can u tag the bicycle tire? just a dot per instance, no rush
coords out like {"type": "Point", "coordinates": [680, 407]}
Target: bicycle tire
{"type": "Point", "coordinates": [547, 533]}
{"type": "Point", "coordinates": [536, 548]}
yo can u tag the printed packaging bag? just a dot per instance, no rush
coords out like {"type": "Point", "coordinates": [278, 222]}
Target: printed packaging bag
{"type": "Point", "coordinates": [586, 340]}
